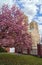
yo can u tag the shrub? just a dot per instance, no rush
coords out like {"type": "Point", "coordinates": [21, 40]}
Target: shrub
{"type": "Point", "coordinates": [2, 49]}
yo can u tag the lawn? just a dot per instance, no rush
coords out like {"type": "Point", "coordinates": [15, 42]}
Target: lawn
{"type": "Point", "coordinates": [15, 59]}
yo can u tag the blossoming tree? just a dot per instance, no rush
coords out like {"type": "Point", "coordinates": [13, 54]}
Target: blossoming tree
{"type": "Point", "coordinates": [14, 28]}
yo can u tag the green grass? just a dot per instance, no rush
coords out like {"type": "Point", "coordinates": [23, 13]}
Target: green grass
{"type": "Point", "coordinates": [15, 59]}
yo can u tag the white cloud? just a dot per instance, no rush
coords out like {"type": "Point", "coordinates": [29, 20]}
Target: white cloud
{"type": "Point", "coordinates": [9, 2]}
{"type": "Point", "coordinates": [40, 19]}
{"type": "Point", "coordinates": [39, 2]}
{"type": "Point", "coordinates": [30, 10]}
{"type": "Point", "coordinates": [29, 1]}
{"type": "Point", "coordinates": [3, 2]}
{"type": "Point", "coordinates": [41, 9]}
{"type": "Point", "coordinates": [29, 7]}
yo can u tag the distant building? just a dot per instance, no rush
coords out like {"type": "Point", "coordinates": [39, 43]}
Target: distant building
{"type": "Point", "coordinates": [33, 29]}
{"type": "Point", "coordinates": [10, 49]}
{"type": "Point", "coordinates": [41, 39]}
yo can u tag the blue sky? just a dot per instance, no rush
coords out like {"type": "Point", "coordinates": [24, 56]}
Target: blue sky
{"type": "Point", "coordinates": [32, 8]}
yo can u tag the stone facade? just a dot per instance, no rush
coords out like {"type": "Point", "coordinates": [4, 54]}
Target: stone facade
{"type": "Point", "coordinates": [33, 29]}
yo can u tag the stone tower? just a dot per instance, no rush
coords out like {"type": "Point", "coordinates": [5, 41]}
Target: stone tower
{"type": "Point", "coordinates": [33, 29]}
